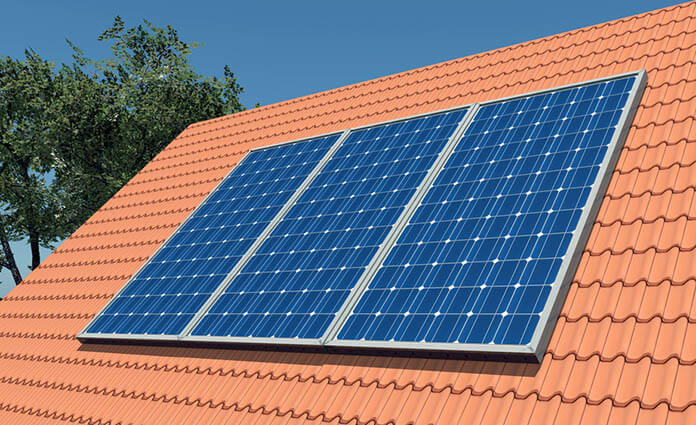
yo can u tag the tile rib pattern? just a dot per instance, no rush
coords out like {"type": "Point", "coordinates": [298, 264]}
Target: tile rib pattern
{"type": "Point", "coordinates": [622, 352]}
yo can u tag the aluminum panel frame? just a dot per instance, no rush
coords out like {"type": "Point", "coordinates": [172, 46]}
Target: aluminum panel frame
{"type": "Point", "coordinates": [85, 336]}
{"type": "Point", "coordinates": [451, 142]}
{"type": "Point", "coordinates": [530, 352]}
{"type": "Point", "coordinates": [534, 351]}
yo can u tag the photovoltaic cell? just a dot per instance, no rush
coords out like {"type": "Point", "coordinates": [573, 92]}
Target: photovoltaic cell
{"type": "Point", "coordinates": [297, 280]}
{"type": "Point", "coordinates": [170, 289]}
{"type": "Point", "coordinates": [477, 261]}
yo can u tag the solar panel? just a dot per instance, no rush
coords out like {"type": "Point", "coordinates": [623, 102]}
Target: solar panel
{"type": "Point", "coordinates": [451, 231]}
{"type": "Point", "coordinates": [296, 282]}
{"type": "Point", "coordinates": [481, 261]}
{"type": "Point", "coordinates": [166, 293]}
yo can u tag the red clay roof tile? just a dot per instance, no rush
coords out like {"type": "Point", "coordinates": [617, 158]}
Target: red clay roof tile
{"type": "Point", "coordinates": [624, 415]}
{"type": "Point", "coordinates": [432, 409]}
{"type": "Point", "coordinates": [623, 349]}
{"type": "Point", "coordinates": [631, 159]}
{"type": "Point", "coordinates": [498, 409]}
{"type": "Point", "coordinates": [580, 380]}
{"type": "Point", "coordinates": [454, 407]}
{"type": "Point", "coordinates": [688, 353]}
{"type": "Point", "coordinates": [680, 204]}
{"type": "Point", "coordinates": [633, 380]}
{"type": "Point", "coordinates": [608, 299]}
{"type": "Point", "coordinates": [679, 301]}
{"type": "Point", "coordinates": [594, 340]}
{"type": "Point", "coordinates": [629, 301]}
{"type": "Point", "coordinates": [626, 237]}
{"type": "Point", "coordinates": [649, 235]}
{"type": "Point", "coordinates": [654, 300]}
{"type": "Point", "coordinates": [656, 416]}
{"type": "Point", "coordinates": [520, 412]}
{"type": "Point", "coordinates": [596, 413]}
{"type": "Point", "coordinates": [545, 411]}
{"type": "Point", "coordinates": [637, 208]}
{"type": "Point", "coordinates": [570, 413]}
{"type": "Point", "coordinates": [687, 416]}
{"type": "Point", "coordinates": [684, 269]}
{"type": "Point", "coordinates": [619, 338]}
{"type": "Point", "coordinates": [595, 267]}
{"type": "Point", "coordinates": [661, 378]}
{"type": "Point", "coordinates": [670, 341]}
{"type": "Point", "coordinates": [571, 335]}
{"type": "Point", "coordinates": [644, 339]}
{"type": "Point", "coordinates": [607, 377]}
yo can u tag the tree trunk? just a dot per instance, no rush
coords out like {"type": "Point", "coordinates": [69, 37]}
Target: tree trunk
{"type": "Point", "coordinates": [35, 252]}
{"type": "Point", "coordinates": [10, 262]}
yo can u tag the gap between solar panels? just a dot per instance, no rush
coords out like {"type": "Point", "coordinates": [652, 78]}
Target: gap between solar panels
{"type": "Point", "coordinates": [454, 233]}
{"type": "Point", "coordinates": [212, 243]}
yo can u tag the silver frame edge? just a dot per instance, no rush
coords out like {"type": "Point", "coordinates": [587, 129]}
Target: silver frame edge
{"type": "Point", "coordinates": [547, 323]}
{"type": "Point", "coordinates": [560, 288]}
{"type": "Point", "coordinates": [186, 332]}
{"type": "Point", "coordinates": [83, 335]}
{"type": "Point", "coordinates": [368, 274]}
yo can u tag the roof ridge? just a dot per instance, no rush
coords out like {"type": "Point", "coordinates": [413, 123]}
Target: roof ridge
{"type": "Point", "coordinates": [397, 97]}
{"type": "Point", "coordinates": [626, 321]}
{"type": "Point", "coordinates": [443, 63]}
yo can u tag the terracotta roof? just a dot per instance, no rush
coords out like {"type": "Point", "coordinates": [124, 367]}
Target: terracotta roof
{"type": "Point", "coordinates": [623, 351]}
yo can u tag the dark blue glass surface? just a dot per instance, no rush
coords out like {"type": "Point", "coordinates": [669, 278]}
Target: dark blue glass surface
{"type": "Point", "coordinates": [170, 289]}
{"type": "Point", "coordinates": [477, 261]}
{"type": "Point", "coordinates": [300, 276]}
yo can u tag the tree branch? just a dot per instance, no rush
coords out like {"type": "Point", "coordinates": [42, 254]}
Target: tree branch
{"type": "Point", "coordinates": [10, 262]}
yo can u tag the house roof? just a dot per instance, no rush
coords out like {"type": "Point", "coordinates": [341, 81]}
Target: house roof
{"type": "Point", "coordinates": [624, 348]}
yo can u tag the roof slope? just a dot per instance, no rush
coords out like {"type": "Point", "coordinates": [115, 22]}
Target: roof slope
{"type": "Point", "coordinates": [623, 350]}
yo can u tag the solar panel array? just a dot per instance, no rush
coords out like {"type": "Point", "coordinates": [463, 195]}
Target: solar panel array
{"type": "Point", "coordinates": [476, 262]}
{"type": "Point", "coordinates": [169, 290]}
{"type": "Point", "coordinates": [294, 284]}
{"type": "Point", "coordinates": [453, 229]}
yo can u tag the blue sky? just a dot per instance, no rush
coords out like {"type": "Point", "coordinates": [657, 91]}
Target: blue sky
{"type": "Point", "coordinates": [282, 50]}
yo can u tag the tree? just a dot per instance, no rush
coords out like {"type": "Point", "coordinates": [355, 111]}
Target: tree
{"type": "Point", "coordinates": [30, 204]}
{"type": "Point", "coordinates": [92, 125]}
